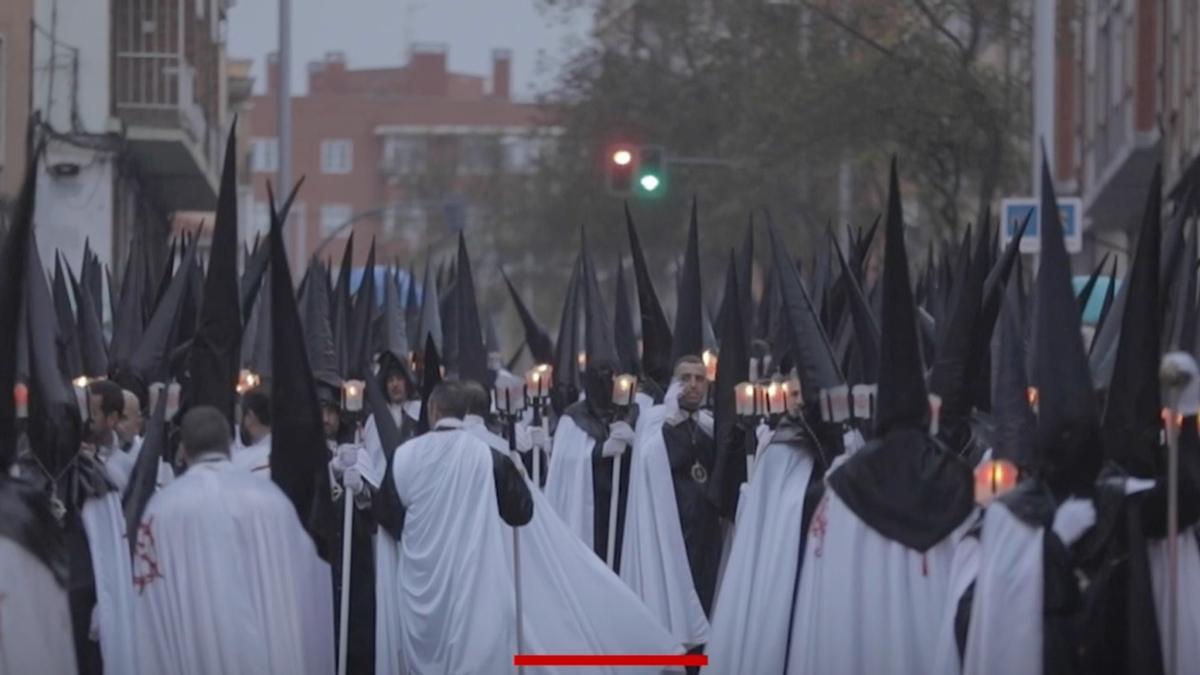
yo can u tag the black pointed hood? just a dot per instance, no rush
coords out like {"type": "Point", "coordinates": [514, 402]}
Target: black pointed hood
{"type": "Point", "coordinates": [1085, 293]}
{"type": "Point", "coordinates": [431, 316]}
{"type": "Point", "coordinates": [566, 367]}
{"type": "Point", "coordinates": [903, 485]}
{"type": "Point", "coordinates": [1013, 420]}
{"type": "Point", "coordinates": [866, 327]}
{"type": "Point", "coordinates": [212, 362]}
{"type": "Point", "coordinates": [68, 338]}
{"type": "Point", "coordinates": [1132, 412]}
{"type": "Point", "coordinates": [394, 328]}
{"type": "Point", "coordinates": [128, 317]}
{"type": "Point", "coordinates": [94, 355]}
{"type": "Point", "coordinates": [745, 279]}
{"type": "Point", "coordinates": [360, 320]}
{"type": "Point", "coordinates": [808, 344]}
{"type": "Point", "coordinates": [1183, 315]}
{"type": "Point", "coordinates": [342, 307]}
{"type": "Point", "coordinates": [902, 400]}
{"type": "Point", "coordinates": [1066, 442]}
{"type": "Point", "coordinates": [150, 359]}
{"type": "Point", "coordinates": [541, 347]}
{"type": "Point", "coordinates": [688, 336]}
{"type": "Point", "coordinates": [597, 327]}
{"type": "Point", "coordinates": [412, 311]}
{"type": "Point", "coordinates": [164, 280]}
{"type": "Point", "coordinates": [431, 377]}
{"type": "Point", "coordinates": [298, 453]}
{"type": "Point", "coordinates": [252, 278]}
{"type": "Point", "coordinates": [259, 359]}
{"type": "Point", "coordinates": [13, 261]}
{"type": "Point", "coordinates": [143, 480]}
{"type": "Point", "coordinates": [471, 353]}
{"type": "Point", "coordinates": [656, 332]}
{"type": "Point", "coordinates": [318, 335]}
{"type": "Point", "coordinates": [624, 337]}
{"type": "Point", "coordinates": [54, 421]}
{"type": "Point", "coordinates": [733, 368]}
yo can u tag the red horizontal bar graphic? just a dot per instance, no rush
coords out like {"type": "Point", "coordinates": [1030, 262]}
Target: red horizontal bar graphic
{"type": "Point", "coordinates": [610, 660]}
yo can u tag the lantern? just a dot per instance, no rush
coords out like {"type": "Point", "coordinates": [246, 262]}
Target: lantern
{"type": "Point", "coordinates": [537, 381]}
{"type": "Point", "coordinates": [710, 364]}
{"type": "Point", "coordinates": [624, 387]}
{"type": "Point", "coordinates": [352, 395]}
{"type": "Point", "coordinates": [993, 478]}
{"type": "Point", "coordinates": [744, 399]}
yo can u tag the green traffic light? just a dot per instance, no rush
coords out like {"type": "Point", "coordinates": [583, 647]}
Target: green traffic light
{"type": "Point", "coordinates": [650, 182]}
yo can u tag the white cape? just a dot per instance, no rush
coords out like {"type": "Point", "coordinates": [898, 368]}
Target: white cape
{"type": "Point", "coordinates": [1188, 608]}
{"type": "Point", "coordinates": [752, 612]}
{"type": "Point", "coordinates": [104, 523]}
{"type": "Point", "coordinates": [963, 572]}
{"type": "Point", "coordinates": [653, 558]}
{"type": "Point", "coordinates": [228, 581]}
{"type": "Point", "coordinates": [255, 458]}
{"type": "Point", "coordinates": [429, 620]}
{"type": "Point", "coordinates": [569, 481]}
{"type": "Point", "coordinates": [35, 619]}
{"type": "Point", "coordinates": [866, 604]}
{"type": "Point", "coordinates": [1007, 607]}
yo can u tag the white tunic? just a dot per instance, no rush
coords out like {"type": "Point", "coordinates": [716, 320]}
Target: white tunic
{"type": "Point", "coordinates": [35, 619]}
{"type": "Point", "coordinates": [228, 581]}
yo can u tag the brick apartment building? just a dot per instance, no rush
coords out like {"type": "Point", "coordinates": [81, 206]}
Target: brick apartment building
{"type": "Point", "coordinates": [409, 155]}
{"type": "Point", "coordinates": [1128, 97]}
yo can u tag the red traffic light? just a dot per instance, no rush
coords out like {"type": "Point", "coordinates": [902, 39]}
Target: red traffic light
{"type": "Point", "coordinates": [622, 157]}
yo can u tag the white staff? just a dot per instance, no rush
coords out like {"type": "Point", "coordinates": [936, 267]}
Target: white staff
{"type": "Point", "coordinates": [509, 400]}
{"type": "Point", "coordinates": [1176, 375]}
{"type": "Point", "coordinates": [353, 400]}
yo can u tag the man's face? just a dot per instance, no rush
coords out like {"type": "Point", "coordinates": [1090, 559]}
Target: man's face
{"type": "Point", "coordinates": [101, 425]}
{"type": "Point", "coordinates": [694, 385]}
{"type": "Point", "coordinates": [330, 420]}
{"type": "Point", "coordinates": [397, 388]}
{"type": "Point", "coordinates": [130, 424]}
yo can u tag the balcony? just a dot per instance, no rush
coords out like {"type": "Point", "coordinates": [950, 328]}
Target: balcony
{"type": "Point", "coordinates": [169, 130]}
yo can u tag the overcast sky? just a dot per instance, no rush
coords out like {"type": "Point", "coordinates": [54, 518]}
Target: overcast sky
{"type": "Point", "coordinates": [372, 34]}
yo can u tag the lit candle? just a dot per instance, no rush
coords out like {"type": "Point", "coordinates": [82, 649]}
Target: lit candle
{"type": "Point", "coordinates": [710, 364]}
{"type": "Point", "coordinates": [935, 413]}
{"type": "Point", "coordinates": [156, 390]}
{"type": "Point", "coordinates": [21, 399]}
{"type": "Point", "coordinates": [776, 399]}
{"type": "Point", "coordinates": [80, 382]}
{"type": "Point", "coordinates": [624, 387]}
{"type": "Point", "coordinates": [839, 403]}
{"type": "Point", "coordinates": [537, 381]}
{"type": "Point", "coordinates": [993, 478]}
{"type": "Point", "coordinates": [1032, 393]}
{"type": "Point", "coordinates": [864, 400]}
{"type": "Point", "coordinates": [744, 399]}
{"type": "Point", "coordinates": [352, 395]}
{"type": "Point", "coordinates": [510, 397]}
{"type": "Point", "coordinates": [173, 391]}
{"type": "Point", "coordinates": [81, 400]}
{"type": "Point", "coordinates": [581, 360]}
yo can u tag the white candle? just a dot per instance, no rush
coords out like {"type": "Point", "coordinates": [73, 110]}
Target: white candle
{"type": "Point", "coordinates": [21, 400]}
{"type": "Point", "coordinates": [624, 387]}
{"type": "Point", "coordinates": [864, 400]}
{"type": "Point", "coordinates": [744, 399]}
{"type": "Point", "coordinates": [710, 364]}
{"type": "Point", "coordinates": [173, 391]}
{"type": "Point", "coordinates": [352, 395]}
{"type": "Point", "coordinates": [839, 403]}
{"type": "Point", "coordinates": [935, 413]}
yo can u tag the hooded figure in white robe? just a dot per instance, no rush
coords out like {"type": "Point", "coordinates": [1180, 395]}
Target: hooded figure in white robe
{"type": "Point", "coordinates": [35, 619]}
{"type": "Point", "coordinates": [754, 606]}
{"type": "Point", "coordinates": [226, 578]}
{"type": "Point", "coordinates": [448, 605]}
{"type": "Point", "coordinates": [877, 558]}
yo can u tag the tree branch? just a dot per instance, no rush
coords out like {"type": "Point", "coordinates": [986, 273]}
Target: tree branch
{"type": "Point", "coordinates": [940, 26]}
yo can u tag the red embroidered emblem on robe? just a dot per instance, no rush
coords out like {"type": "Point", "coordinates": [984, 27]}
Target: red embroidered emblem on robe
{"type": "Point", "coordinates": [820, 525]}
{"type": "Point", "coordinates": [145, 557]}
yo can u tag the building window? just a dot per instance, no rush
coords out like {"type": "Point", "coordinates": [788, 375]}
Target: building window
{"type": "Point", "coordinates": [262, 217]}
{"type": "Point", "coordinates": [522, 153]}
{"type": "Point", "coordinates": [264, 155]}
{"type": "Point", "coordinates": [477, 155]}
{"type": "Point", "coordinates": [334, 216]}
{"type": "Point", "coordinates": [405, 154]}
{"type": "Point", "coordinates": [337, 156]}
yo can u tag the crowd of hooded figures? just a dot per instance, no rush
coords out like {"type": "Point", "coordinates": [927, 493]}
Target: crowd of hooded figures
{"type": "Point", "coordinates": [845, 473]}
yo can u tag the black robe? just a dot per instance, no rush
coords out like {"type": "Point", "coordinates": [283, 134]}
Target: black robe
{"type": "Point", "coordinates": [602, 478]}
{"type": "Point", "coordinates": [692, 455]}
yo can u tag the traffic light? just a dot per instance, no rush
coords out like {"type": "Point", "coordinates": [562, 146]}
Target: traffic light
{"type": "Point", "coordinates": [620, 166]}
{"type": "Point", "coordinates": [650, 171]}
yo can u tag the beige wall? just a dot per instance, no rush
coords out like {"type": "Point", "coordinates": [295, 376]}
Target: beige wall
{"type": "Point", "coordinates": [15, 22]}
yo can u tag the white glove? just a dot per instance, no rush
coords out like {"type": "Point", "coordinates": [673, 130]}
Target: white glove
{"type": "Point", "coordinates": [524, 442]}
{"type": "Point", "coordinates": [620, 436]}
{"type": "Point", "coordinates": [671, 399]}
{"type": "Point", "coordinates": [621, 431]}
{"type": "Point", "coordinates": [353, 481]}
{"type": "Point", "coordinates": [538, 437]}
{"type": "Point", "coordinates": [1182, 368]}
{"type": "Point", "coordinates": [1136, 485]}
{"type": "Point", "coordinates": [1073, 518]}
{"type": "Point", "coordinates": [347, 455]}
{"type": "Point", "coordinates": [704, 420]}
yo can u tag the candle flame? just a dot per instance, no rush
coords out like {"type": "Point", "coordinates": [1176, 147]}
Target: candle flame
{"type": "Point", "coordinates": [1032, 393]}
